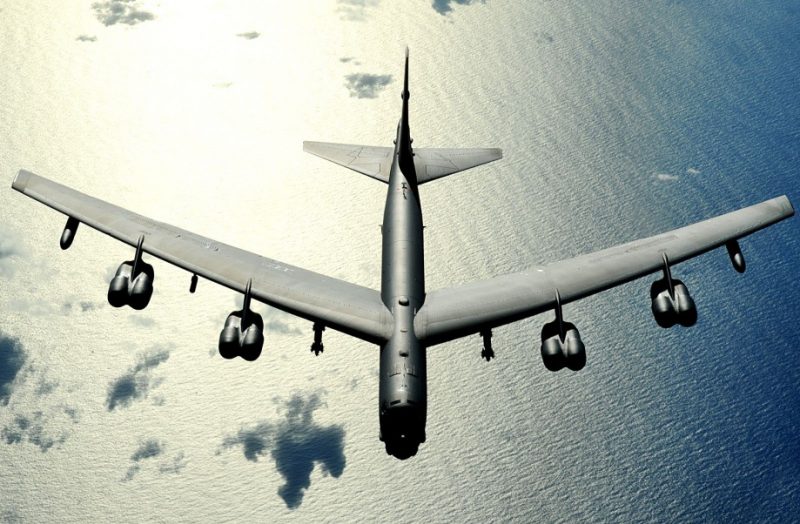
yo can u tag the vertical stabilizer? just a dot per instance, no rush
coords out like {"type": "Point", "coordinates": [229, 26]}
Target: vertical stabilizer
{"type": "Point", "coordinates": [405, 133]}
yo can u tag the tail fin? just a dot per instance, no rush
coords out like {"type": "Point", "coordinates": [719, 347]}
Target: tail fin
{"type": "Point", "coordinates": [375, 162]}
{"type": "Point", "coordinates": [405, 95]}
{"type": "Point", "coordinates": [431, 163]}
{"type": "Point", "coordinates": [405, 155]}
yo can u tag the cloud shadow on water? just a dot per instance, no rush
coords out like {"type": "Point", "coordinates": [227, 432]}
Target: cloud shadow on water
{"type": "Point", "coordinates": [296, 444]}
{"type": "Point", "coordinates": [12, 358]}
{"type": "Point", "coordinates": [31, 428]}
{"type": "Point", "coordinates": [137, 382]}
{"type": "Point", "coordinates": [443, 7]}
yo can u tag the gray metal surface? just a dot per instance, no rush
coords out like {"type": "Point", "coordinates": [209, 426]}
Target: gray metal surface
{"type": "Point", "coordinates": [458, 311]}
{"type": "Point", "coordinates": [435, 162]}
{"type": "Point", "coordinates": [375, 162]}
{"type": "Point", "coordinates": [349, 308]}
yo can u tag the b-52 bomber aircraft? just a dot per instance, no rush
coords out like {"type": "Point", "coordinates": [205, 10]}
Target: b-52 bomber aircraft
{"type": "Point", "coordinates": [403, 318]}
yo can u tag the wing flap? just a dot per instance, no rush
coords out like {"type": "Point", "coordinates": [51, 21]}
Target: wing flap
{"type": "Point", "coordinates": [375, 162]}
{"type": "Point", "coordinates": [454, 312]}
{"type": "Point", "coordinates": [347, 307]}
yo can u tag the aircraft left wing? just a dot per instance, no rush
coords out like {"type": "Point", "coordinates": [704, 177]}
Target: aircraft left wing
{"type": "Point", "coordinates": [455, 312]}
{"type": "Point", "coordinates": [343, 306]}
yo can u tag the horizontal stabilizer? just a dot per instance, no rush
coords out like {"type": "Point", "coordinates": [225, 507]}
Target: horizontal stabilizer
{"type": "Point", "coordinates": [432, 163]}
{"type": "Point", "coordinates": [375, 162]}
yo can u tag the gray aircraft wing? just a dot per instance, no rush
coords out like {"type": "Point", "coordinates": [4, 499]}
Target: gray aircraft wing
{"type": "Point", "coordinates": [346, 307]}
{"type": "Point", "coordinates": [458, 311]}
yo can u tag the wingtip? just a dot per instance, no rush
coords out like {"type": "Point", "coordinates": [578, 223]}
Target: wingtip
{"type": "Point", "coordinates": [788, 206]}
{"type": "Point", "coordinates": [406, 52]}
{"type": "Point", "coordinates": [21, 180]}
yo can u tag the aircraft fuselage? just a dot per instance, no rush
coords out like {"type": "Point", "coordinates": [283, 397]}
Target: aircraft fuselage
{"type": "Point", "coordinates": [403, 370]}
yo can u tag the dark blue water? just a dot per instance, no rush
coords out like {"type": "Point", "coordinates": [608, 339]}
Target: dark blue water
{"type": "Point", "coordinates": [728, 134]}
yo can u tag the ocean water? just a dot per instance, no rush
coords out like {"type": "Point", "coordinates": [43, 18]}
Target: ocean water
{"type": "Point", "coordinates": [618, 120]}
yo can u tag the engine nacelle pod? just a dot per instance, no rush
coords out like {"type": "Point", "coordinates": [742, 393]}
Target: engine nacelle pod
{"type": "Point", "coordinates": [237, 339]}
{"type": "Point", "coordinates": [118, 288]}
{"type": "Point", "coordinates": [141, 288]}
{"type": "Point", "coordinates": [252, 341]}
{"type": "Point", "coordinates": [557, 353]}
{"type": "Point", "coordinates": [229, 338]}
{"type": "Point", "coordinates": [669, 310]}
{"type": "Point", "coordinates": [133, 290]}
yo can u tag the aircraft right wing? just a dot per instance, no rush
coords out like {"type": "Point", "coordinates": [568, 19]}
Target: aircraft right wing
{"type": "Point", "coordinates": [458, 311]}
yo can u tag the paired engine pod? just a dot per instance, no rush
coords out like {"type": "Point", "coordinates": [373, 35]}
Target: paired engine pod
{"type": "Point", "coordinates": [670, 309]}
{"type": "Point", "coordinates": [558, 353]}
{"type": "Point", "coordinates": [242, 335]}
{"type": "Point", "coordinates": [133, 290]}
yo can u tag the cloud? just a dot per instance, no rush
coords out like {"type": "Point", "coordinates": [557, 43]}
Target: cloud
{"type": "Point", "coordinates": [249, 35]}
{"type": "Point", "coordinates": [443, 6]}
{"type": "Point", "coordinates": [86, 38]}
{"type": "Point", "coordinates": [120, 12]}
{"type": "Point", "coordinates": [364, 85]}
{"type": "Point", "coordinates": [142, 321]}
{"type": "Point", "coordinates": [82, 306]}
{"type": "Point", "coordinates": [174, 466]}
{"type": "Point", "coordinates": [693, 171]}
{"type": "Point", "coordinates": [12, 358]}
{"type": "Point", "coordinates": [296, 444]}
{"type": "Point", "coordinates": [137, 382]}
{"type": "Point", "coordinates": [31, 429]}
{"type": "Point", "coordinates": [355, 10]}
{"type": "Point", "coordinates": [275, 320]}
{"type": "Point", "coordinates": [9, 249]}
{"type": "Point", "coordinates": [45, 387]}
{"type": "Point", "coordinates": [274, 323]}
{"type": "Point", "coordinates": [666, 177]}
